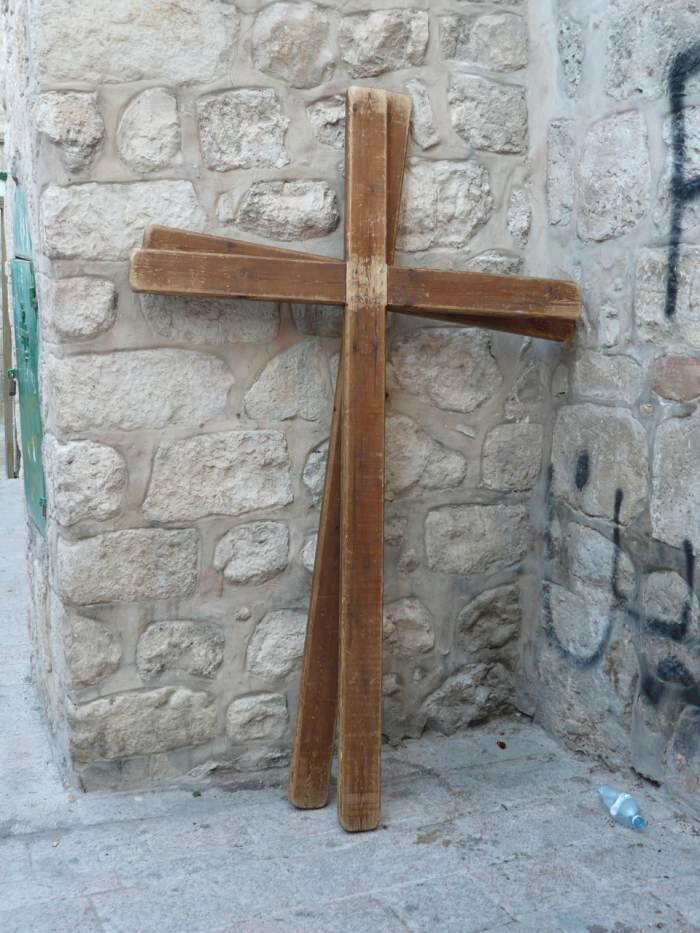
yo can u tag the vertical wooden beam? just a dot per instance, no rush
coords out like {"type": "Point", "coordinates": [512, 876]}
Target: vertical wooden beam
{"type": "Point", "coordinates": [312, 751]}
{"type": "Point", "coordinates": [362, 462]}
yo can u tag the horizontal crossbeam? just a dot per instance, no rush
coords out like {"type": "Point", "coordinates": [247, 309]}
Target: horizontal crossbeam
{"type": "Point", "coordinates": [536, 307]}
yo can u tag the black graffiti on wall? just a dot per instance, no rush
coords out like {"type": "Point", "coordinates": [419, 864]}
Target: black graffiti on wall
{"type": "Point", "coordinates": [683, 190]}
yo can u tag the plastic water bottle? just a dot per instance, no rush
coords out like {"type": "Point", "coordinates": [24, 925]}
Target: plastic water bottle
{"type": "Point", "coordinates": [622, 808]}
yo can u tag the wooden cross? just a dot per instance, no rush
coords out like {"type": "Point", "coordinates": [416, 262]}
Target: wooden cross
{"type": "Point", "coordinates": [341, 678]}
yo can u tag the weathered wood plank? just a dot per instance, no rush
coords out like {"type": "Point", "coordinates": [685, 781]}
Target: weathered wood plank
{"type": "Point", "coordinates": [312, 752]}
{"type": "Point", "coordinates": [362, 462]}
{"type": "Point", "coordinates": [184, 241]}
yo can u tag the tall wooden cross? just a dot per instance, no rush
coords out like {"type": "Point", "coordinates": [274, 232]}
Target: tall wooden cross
{"type": "Point", "coordinates": [341, 679]}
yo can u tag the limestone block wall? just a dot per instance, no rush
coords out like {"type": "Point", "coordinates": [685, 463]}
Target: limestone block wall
{"type": "Point", "coordinates": [616, 658]}
{"type": "Point", "coordinates": [185, 441]}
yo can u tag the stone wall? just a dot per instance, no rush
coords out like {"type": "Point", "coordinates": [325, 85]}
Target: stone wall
{"type": "Point", "coordinates": [616, 656]}
{"type": "Point", "coordinates": [186, 440]}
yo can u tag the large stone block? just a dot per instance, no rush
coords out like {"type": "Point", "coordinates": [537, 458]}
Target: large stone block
{"type": "Point", "coordinates": [643, 36]}
{"type": "Point", "coordinates": [73, 122]}
{"type": "Point", "coordinates": [409, 628]}
{"type": "Point", "coordinates": [193, 648]}
{"type": "Point", "coordinates": [277, 644]}
{"type": "Point", "coordinates": [318, 320]}
{"type": "Point", "coordinates": [444, 204]}
{"type": "Point", "coordinates": [653, 326]}
{"type": "Point", "coordinates": [469, 539]}
{"type": "Point", "coordinates": [257, 716]}
{"type": "Point", "coordinates": [243, 128]}
{"type": "Point", "coordinates": [314, 474]}
{"type": "Point", "coordinates": [580, 624]}
{"type": "Point", "coordinates": [454, 369]}
{"type": "Point", "coordinates": [675, 504]}
{"type": "Point", "coordinates": [225, 473]}
{"type": "Point", "coordinates": [592, 562]}
{"type": "Point", "coordinates": [495, 41]}
{"type": "Point", "coordinates": [384, 40]}
{"type": "Point", "coordinates": [571, 48]}
{"type": "Point", "coordinates": [212, 322]}
{"type": "Point", "coordinates": [676, 377]}
{"type": "Point", "coordinates": [422, 118]}
{"type": "Point", "coordinates": [83, 480]}
{"type": "Point", "coordinates": [488, 115]}
{"type": "Point", "coordinates": [107, 221]}
{"type": "Point", "coordinates": [519, 216]}
{"type": "Point", "coordinates": [561, 184]}
{"type": "Point", "coordinates": [608, 378]}
{"type": "Point", "coordinates": [184, 42]}
{"type": "Point", "coordinates": [148, 137]}
{"type": "Point", "coordinates": [513, 456]}
{"type": "Point", "coordinates": [290, 42]}
{"type": "Point", "coordinates": [76, 308]}
{"type": "Point", "coordinates": [253, 553]}
{"type": "Point", "coordinates": [414, 457]}
{"type": "Point", "coordinates": [686, 123]}
{"type": "Point", "coordinates": [327, 119]}
{"type": "Point", "coordinates": [295, 383]}
{"type": "Point", "coordinates": [125, 566]}
{"type": "Point", "coordinates": [284, 210]}
{"type": "Point", "coordinates": [597, 452]}
{"type": "Point", "coordinates": [136, 389]}
{"type": "Point", "coordinates": [490, 622]}
{"type": "Point", "coordinates": [614, 177]}
{"type": "Point", "coordinates": [667, 597]}
{"type": "Point", "coordinates": [143, 723]}
{"type": "Point", "coordinates": [93, 650]}
{"type": "Point", "coordinates": [472, 695]}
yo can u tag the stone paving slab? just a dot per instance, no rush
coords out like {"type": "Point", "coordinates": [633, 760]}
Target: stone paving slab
{"type": "Point", "coordinates": [474, 837]}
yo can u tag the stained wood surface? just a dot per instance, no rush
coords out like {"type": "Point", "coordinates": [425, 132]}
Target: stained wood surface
{"type": "Point", "coordinates": [362, 462]}
{"type": "Point", "coordinates": [184, 241]}
{"type": "Point", "coordinates": [312, 751]}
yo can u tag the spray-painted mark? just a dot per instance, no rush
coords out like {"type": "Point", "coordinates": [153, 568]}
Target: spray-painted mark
{"type": "Point", "coordinates": [683, 190]}
{"type": "Point", "coordinates": [583, 470]}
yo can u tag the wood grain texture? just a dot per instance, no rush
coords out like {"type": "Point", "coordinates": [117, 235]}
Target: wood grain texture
{"type": "Point", "coordinates": [312, 751]}
{"type": "Point", "coordinates": [184, 241]}
{"type": "Point", "coordinates": [362, 462]}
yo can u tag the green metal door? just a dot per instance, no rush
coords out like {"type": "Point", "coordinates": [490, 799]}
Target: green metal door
{"type": "Point", "coordinates": [24, 306]}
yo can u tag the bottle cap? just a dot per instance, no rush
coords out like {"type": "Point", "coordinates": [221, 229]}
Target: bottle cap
{"type": "Point", "coordinates": [638, 822]}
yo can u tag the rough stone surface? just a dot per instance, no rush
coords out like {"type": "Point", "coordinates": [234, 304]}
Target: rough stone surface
{"type": "Point", "coordinates": [642, 39]}
{"type": "Point", "coordinates": [408, 628]}
{"type": "Point", "coordinates": [589, 468]}
{"type": "Point", "coordinates": [284, 210]}
{"type": "Point", "coordinates": [194, 648]}
{"type": "Point", "coordinates": [314, 473]}
{"type": "Point", "coordinates": [384, 40]}
{"type": "Point", "coordinates": [513, 456]}
{"type": "Point", "coordinates": [496, 41]}
{"type": "Point", "coordinates": [124, 566]}
{"type": "Point", "coordinates": [580, 624]}
{"type": "Point", "coordinates": [496, 262]}
{"type": "Point", "coordinates": [468, 697]}
{"type": "Point", "coordinates": [414, 457]}
{"type": "Point", "coordinates": [84, 480]}
{"type": "Point", "coordinates": [608, 378]}
{"type": "Point", "coordinates": [106, 221]}
{"type": "Point", "coordinates": [488, 115]}
{"type": "Point", "coordinates": [225, 473]}
{"type": "Point", "coordinates": [253, 553]}
{"type": "Point", "coordinates": [290, 42]}
{"type": "Point", "coordinates": [688, 123]}
{"type": "Point", "coordinates": [519, 216]}
{"type": "Point", "coordinates": [490, 623]}
{"type": "Point", "coordinates": [422, 118]}
{"type": "Point", "coordinates": [148, 137]}
{"type": "Point", "coordinates": [244, 128]}
{"type": "Point", "coordinates": [182, 43]}
{"type": "Point", "coordinates": [277, 644]}
{"type": "Point", "coordinates": [676, 378]}
{"type": "Point", "coordinates": [650, 298]}
{"type": "Point", "coordinates": [318, 320]}
{"type": "Point", "coordinates": [293, 384]}
{"type": "Point", "coordinates": [444, 204]}
{"type": "Point", "coordinates": [591, 561]}
{"type": "Point", "coordinates": [81, 307]}
{"type": "Point", "coordinates": [571, 49]}
{"type": "Point", "coordinates": [675, 505]}
{"type": "Point", "coordinates": [614, 177]}
{"type": "Point", "coordinates": [454, 369]}
{"type": "Point", "coordinates": [327, 119]}
{"type": "Point", "coordinates": [93, 650]}
{"type": "Point", "coordinates": [256, 717]}
{"type": "Point", "coordinates": [666, 596]}
{"type": "Point", "coordinates": [210, 321]}
{"type": "Point", "coordinates": [141, 723]}
{"type": "Point", "coordinates": [308, 554]}
{"type": "Point", "coordinates": [73, 122]}
{"type": "Point", "coordinates": [137, 389]}
{"type": "Point", "coordinates": [471, 539]}
{"type": "Point", "coordinates": [561, 185]}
